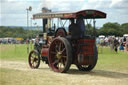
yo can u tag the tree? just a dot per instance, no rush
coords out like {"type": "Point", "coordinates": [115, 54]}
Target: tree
{"type": "Point", "coordinates": [16, 32]}
{"type": "Point", "coordinates": [124, 28]}
{"type": "Point", "coordinates": [110, 29]}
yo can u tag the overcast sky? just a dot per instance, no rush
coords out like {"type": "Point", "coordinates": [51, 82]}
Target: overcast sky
{"type": "Point", "coordinates": [13, 12]}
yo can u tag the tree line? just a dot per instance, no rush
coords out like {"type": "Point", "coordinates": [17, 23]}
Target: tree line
{"type": "Point", "coordinates": [113, 29]}
{"type": "Point", "coordinates": [108, 28]}
{"type": "Point", "coordinates": [17, 32]}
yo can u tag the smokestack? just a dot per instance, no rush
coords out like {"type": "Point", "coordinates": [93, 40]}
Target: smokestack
{"type": "Point", "coordinates": [44, 10]}
{"type": "Point", "coordinates": [45, 21]}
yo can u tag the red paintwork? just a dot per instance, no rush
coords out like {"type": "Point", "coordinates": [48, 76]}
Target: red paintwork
{"type": "Point", "coordinates": [44, 52]}
{"type": "Point", "coordinates": [87, 40]}
{"type": "Point", "coordinates": [86, 51]}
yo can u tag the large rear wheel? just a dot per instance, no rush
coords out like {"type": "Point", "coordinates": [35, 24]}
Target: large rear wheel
{"type": "Point", "coordinates": [34, 59]}
{"type": "Point", "coordinates": [89, 67]}
{"type": "Point", "coordinates": [60, 55]}
{"type": "Point", "coordinates": [60, 32]}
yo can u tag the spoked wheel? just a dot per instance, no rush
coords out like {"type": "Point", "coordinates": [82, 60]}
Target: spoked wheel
{"type": "Point", "coordinates": [60, 32]}
{"type": "Point", "coordinates": [89, 67]}
{"type": "Point", "coordinates": [60, 55]}
{"type": "Point", "coordinates": [34, 59]}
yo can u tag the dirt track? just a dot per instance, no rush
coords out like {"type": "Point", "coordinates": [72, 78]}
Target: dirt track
{"type": "Point", "coordinates": [73, 77]}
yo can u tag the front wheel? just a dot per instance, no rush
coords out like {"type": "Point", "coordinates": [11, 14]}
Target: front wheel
{"type": "Point", "coordinates": [89, 67]}
{"type": "Point", "coordinates": [34, 59]}
{"type": "Point", "coordinates": [60, 55]}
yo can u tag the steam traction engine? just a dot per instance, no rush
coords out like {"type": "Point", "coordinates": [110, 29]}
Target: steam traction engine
{"type": "Point", "coordinates": [58, 51]}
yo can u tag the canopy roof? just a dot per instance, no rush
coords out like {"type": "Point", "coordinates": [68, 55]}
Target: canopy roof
{"type": "Point", "coordinates": [86, 14]}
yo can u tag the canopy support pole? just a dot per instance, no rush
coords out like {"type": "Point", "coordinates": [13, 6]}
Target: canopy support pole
{"type": "Point", "coordinates": [94, 27]}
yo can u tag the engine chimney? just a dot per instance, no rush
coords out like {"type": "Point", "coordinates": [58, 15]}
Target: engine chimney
{"type": "Point", "coordinates": [45, 21]}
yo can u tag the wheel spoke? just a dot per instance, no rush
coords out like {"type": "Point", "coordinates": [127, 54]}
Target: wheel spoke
{"type": "Point", "coordinates": [64, 56]}
{"type": "Point", "coordinates": [34, 64]}
{"type": "Point", "coordinates": [64, 61]}
{"type": "Point", "coordinates": [32, 61]}
{"type": "Point", "coordinates": [36, 61]}
{"type": "Point", "coordinates": [32, 56]}
{"type": "Point", "coordinates": [55, 62]}
{"type": "Point", "coordinates": [36, 56]}
{"type": "Point", "coordinates": [56, 48]}
{"type": "Point", "coordinates": [60, 46]}
{"type": "Point", "coordinates": [63, 50]}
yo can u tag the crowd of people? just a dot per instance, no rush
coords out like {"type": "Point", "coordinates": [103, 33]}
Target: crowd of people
{"type": "Point", "coordinates": [115, 43]}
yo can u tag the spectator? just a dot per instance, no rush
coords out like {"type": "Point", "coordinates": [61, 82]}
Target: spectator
{"type": "Point", "coordinates": [121, 47]}
{"type": "Point", "coordinates": [124, 39]}
{"type": "Point", "coordinates": [116, 43]}
{"type": "Point", "coordinates": [127, 44]}
{"type": "Point", "coordinates": [111, 41]}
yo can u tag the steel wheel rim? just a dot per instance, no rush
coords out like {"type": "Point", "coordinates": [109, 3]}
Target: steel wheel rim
{"type": "Point", "coordinates": [58, 56]}
{"type": "Point", "coordinates": [33, 59]}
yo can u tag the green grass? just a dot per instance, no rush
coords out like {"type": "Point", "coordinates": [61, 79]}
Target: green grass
{"type": "Point", "coordinates": [112, 60]}
{"type": "Point", "coordinates": [14, 52]}
{"type": "Point", "coordinates": [106, 57]}
{"type": "Point", "coordinates": [111, 69]}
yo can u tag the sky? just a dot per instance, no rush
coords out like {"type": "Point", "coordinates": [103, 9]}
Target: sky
{"type": "Point", "coordinates": [13, 12]}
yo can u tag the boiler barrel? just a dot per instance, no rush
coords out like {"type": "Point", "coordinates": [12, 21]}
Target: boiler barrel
{"type": "Point", "coordinates": [44, 52]}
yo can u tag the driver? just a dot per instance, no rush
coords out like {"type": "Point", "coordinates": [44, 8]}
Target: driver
{"type": "Point", "coordinates": [80, 23]}
{"type": "Point", "coordinates": [74, 30]}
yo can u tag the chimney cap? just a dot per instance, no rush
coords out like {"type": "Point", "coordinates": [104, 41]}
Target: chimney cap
{"type": "Point", "coordinates": [45, 9]}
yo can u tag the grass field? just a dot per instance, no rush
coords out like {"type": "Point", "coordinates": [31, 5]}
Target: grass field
{"type": "Point", "coordinates": [111, 69]}
{"type": "Point", "coordinates": [14, 51]}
